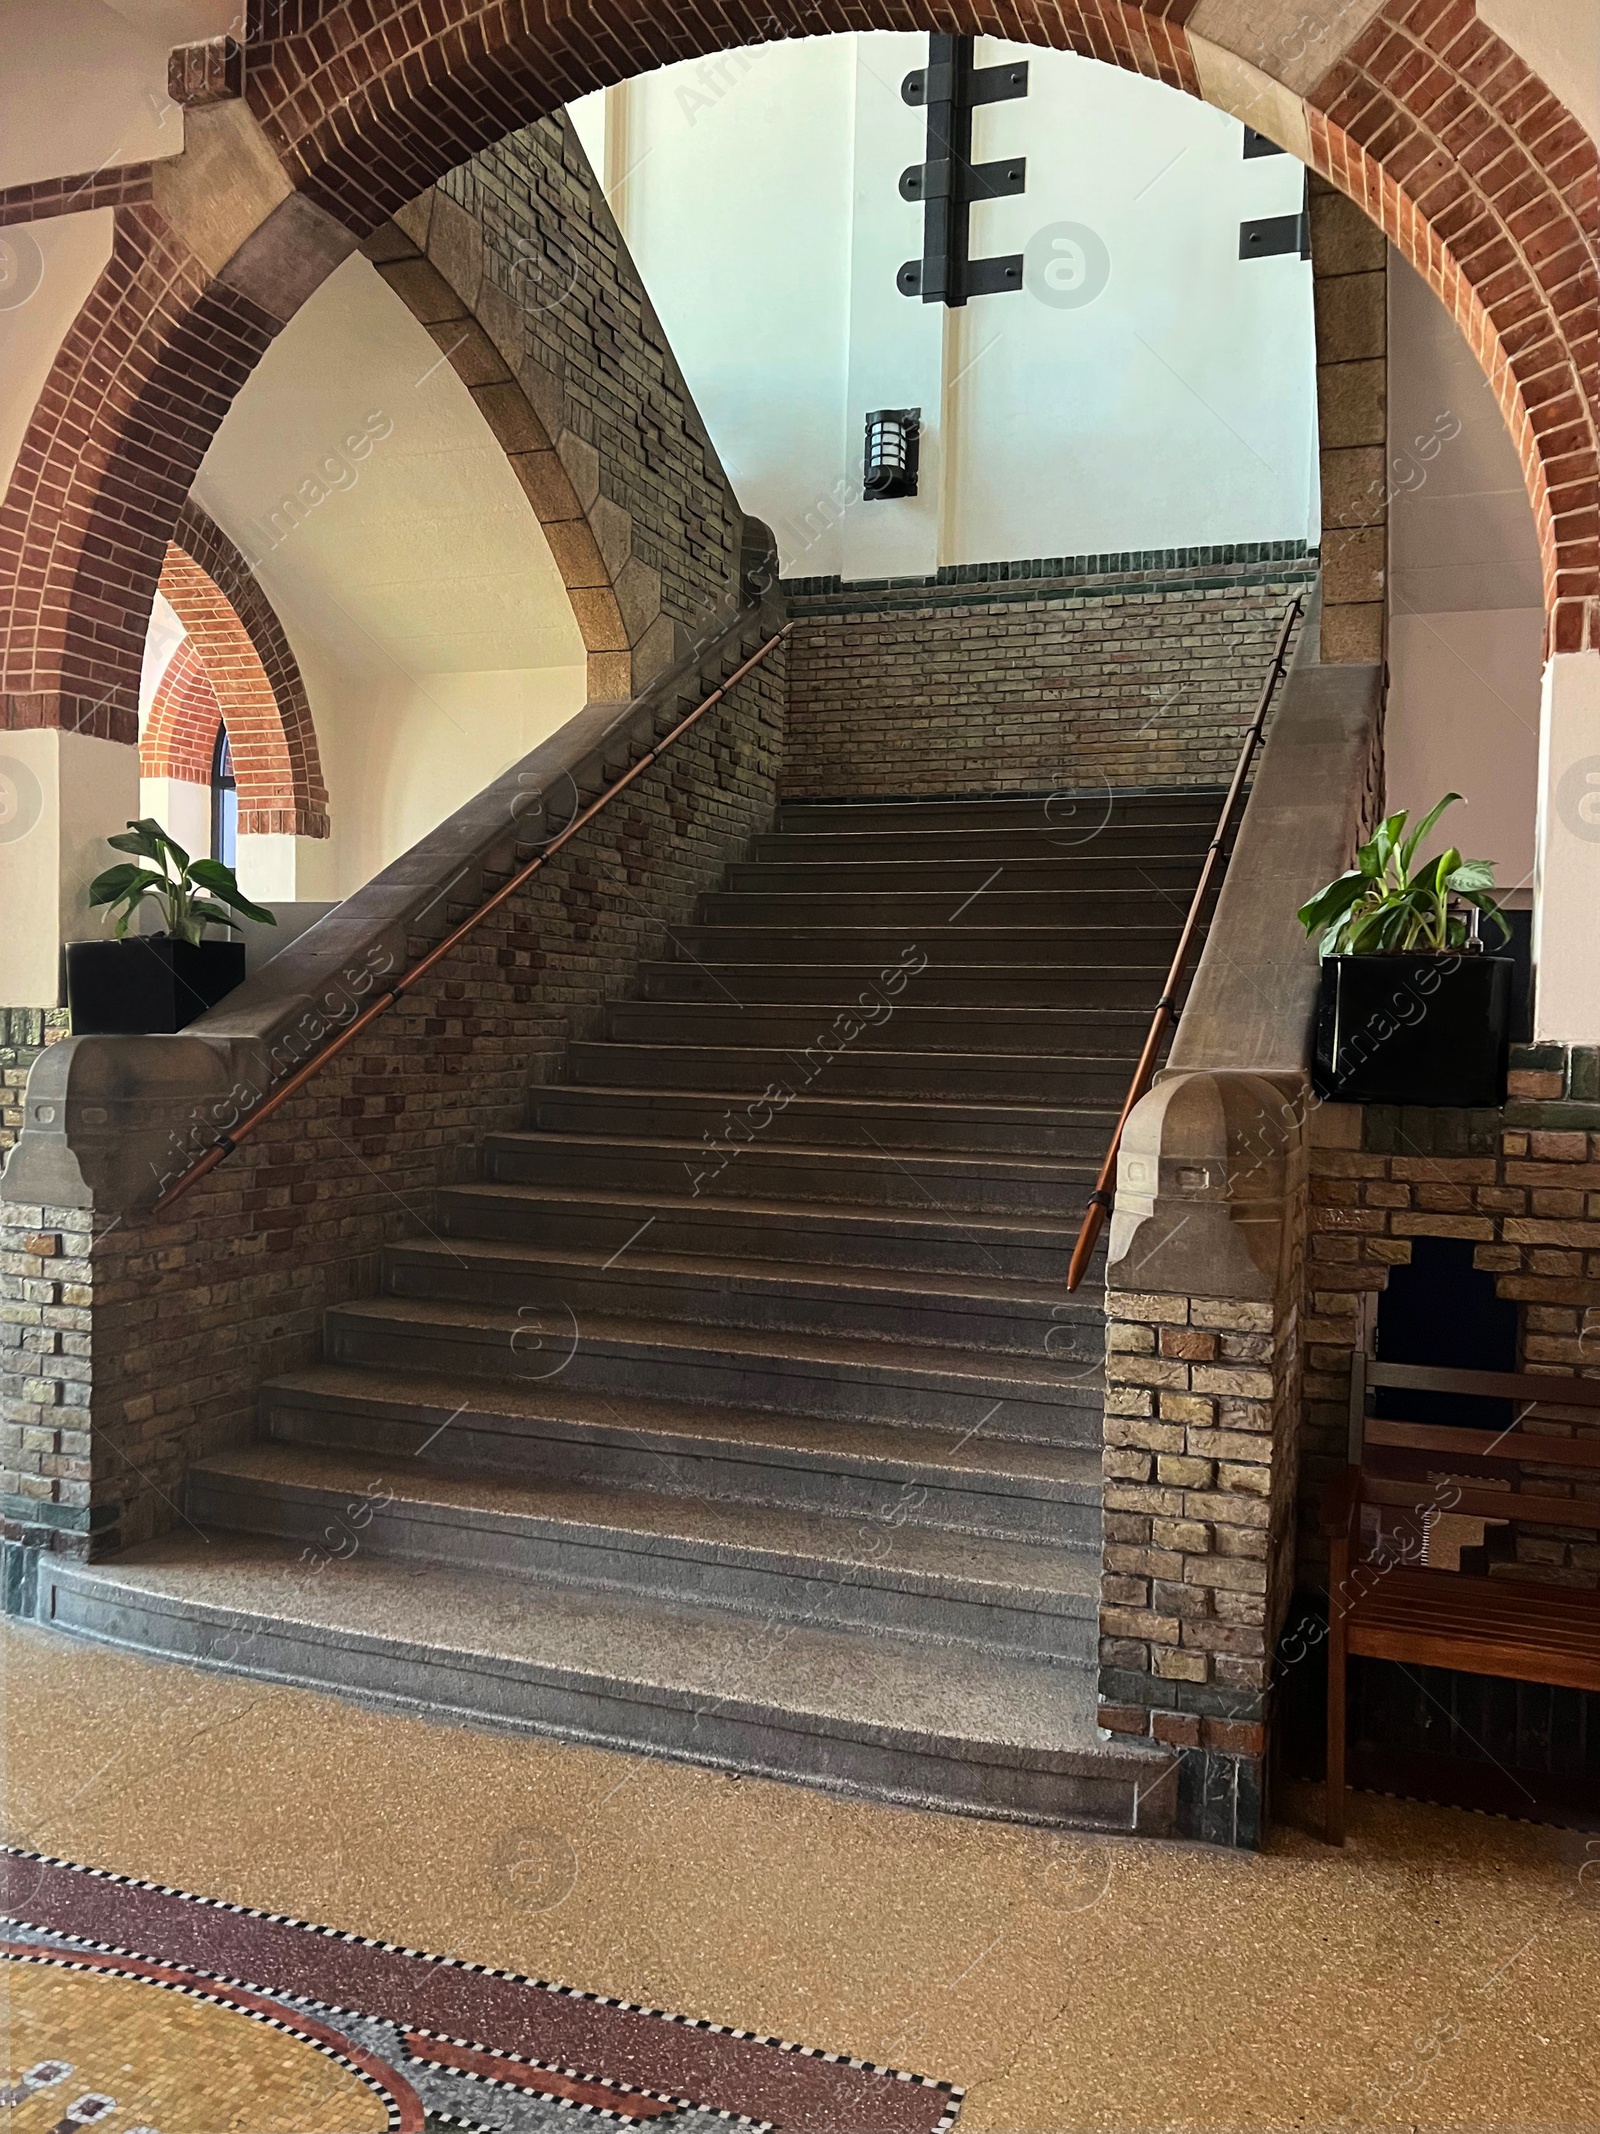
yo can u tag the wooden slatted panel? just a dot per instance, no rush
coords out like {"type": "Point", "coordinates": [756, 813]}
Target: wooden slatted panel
{"type": "Point", "coordinates": [1516, 1446]}
{"type": "Point", "coordinates": [1481, 1626]}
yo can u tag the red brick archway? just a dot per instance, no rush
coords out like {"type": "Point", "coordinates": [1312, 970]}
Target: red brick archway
{"type": "Point", "coordinates": [246, 667]}
{"type": "Point", "coordinates": [1478, 175]}
{"type": "Point", "coordinates": [180, 736]}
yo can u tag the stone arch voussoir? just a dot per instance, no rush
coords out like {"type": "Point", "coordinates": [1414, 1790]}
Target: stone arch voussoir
{"type": "Point", "coordinates": [431, 256]}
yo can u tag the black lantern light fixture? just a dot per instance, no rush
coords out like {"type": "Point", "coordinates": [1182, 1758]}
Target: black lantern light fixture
{"type": "Point", "coordinates": [893, 441]}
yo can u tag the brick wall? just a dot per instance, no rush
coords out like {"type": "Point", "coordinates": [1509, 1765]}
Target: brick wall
{"type": "Point", "coordinates": [235, 632]}
{"type": "Point", "coordinates": [1524, 1187]}
{"type": "Point", "coordinates": [180, 736]}
{"type": "Point", "coordinates": [551, 246]}
{"type": "Point", "coordinates": [24, 1033]}
{"type": "Point", "coordinates": [1141, 670]}
{"type": "Point", "coordinates": [1202, 1403]}
{"type": "Point", "coordinates": [189, 1315]}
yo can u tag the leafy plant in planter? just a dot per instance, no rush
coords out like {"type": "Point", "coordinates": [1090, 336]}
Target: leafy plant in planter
{"type": "Point", "coordinates": [1411, 1011]}
{"type": "Point", "coordinates": [158, 982]}
{"type": "Point", "coordinates": [1381, 907]}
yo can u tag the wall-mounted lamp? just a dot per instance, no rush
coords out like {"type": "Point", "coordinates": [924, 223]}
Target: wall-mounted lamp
{"type": "Point", "coordinates": [893, 441]}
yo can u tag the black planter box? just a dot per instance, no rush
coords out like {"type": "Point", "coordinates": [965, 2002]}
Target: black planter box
{"type": "Point", "coordinates": [1414, 1029]}
{"type": "Point", "coordinates": [147, 983]}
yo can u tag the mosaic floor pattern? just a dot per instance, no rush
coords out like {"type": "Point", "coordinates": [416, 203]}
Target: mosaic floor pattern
{"type": "Point", "coordinates": [147, 2010]}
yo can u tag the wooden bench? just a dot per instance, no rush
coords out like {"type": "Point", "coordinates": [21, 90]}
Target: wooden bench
{"type": "Point", "coordinates": [1516, 1628]}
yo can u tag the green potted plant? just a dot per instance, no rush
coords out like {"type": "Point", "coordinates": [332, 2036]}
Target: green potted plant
{"type": "Point", "coordinates": [1411, 1010]}
{"type": "Point", "coordinates": [162, 981]}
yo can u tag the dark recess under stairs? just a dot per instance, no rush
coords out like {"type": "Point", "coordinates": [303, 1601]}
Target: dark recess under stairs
{"type": "Point", "coordinates": [773, 1445]}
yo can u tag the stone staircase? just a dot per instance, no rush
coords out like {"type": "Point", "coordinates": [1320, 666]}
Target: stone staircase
{"type": "Point", "coordinates": [739, 1413]}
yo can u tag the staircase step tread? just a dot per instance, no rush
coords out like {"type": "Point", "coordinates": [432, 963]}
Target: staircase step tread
{"type": "Point", "coordinates": [933, 1109]}
{"type": "Point", "coordinates": [829, 1278]}
{"type": "Point", "coordinates": [1020, 1228]}
{"type": "Point", "coordinates": [986, 1705]}
{"type": "Point", "coordinates": [887, 1451]}
{"type": "Point", "coordinates": [972, 934]}
{"type": "Point", "coordinates": [831, 1153]}
{"type": "Point", "coordinates": [804, 1543]}
{"type": "Point", "coordinates": [895, 1056]}
{"type": "Point", "coordinates": [952, 1011]}
{"type": "Point", "coordinates": [841, 1356]}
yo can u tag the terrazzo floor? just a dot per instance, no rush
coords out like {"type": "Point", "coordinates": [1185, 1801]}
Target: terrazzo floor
{"type": "Point", "coordinates": [1443, 1971]}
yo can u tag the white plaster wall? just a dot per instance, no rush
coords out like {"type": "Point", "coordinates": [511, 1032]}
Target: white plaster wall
{"type": "Point", "coordinates": [1464, 718]}
{"type": "Point", "coordinates": [434, 635]}
{"type": "Point", "coordinates": [1560, 41]}
{"type": "Point", "coordinates": [183, 810]}
{"type": "Point", "coordinates": [404, 752]}
{"type": "Point", "coordinates": [165, 635]}
{"type": "Point", "coordinates": [61, 796]}
{"type": "Point", "coordinates": [1466, 605]}
{"type": "Point", "coordinates": [756, 302]}
{"type": "Point", "coordinates": [1174, 409]}
{"type": "Point", "coordinates": [84, 83]}
{"type": "Point", "coordinates": [895, 349]}
{"type": "Point", "coordinates": [1567, 997]}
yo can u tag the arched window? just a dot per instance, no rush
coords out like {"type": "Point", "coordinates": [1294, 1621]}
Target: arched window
{"type": "Point", "coordinates": [224, 803]}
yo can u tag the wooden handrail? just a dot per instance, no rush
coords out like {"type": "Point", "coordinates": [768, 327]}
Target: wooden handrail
{"type": "Point", "coordinates": [1167, 1006]}
{"type": "Point", "coordinates": [221, 1149]}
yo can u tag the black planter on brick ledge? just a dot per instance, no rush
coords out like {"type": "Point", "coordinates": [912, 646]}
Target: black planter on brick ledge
{"type": "Point", "coordinates": [1414, 1029]}
{"type": "Point", "coordinates": [149, 984]}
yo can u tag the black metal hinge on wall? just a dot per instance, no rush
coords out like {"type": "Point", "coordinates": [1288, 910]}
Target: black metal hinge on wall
{"type": "Point", "coordinates": [947, 183]}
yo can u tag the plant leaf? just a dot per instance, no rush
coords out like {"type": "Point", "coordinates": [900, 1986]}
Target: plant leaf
{"type": "Point", "coordinates": [127, 881]}
{"type": "Point", "coordinates": [1335, 899]}
{"type": "Point", "coordinates": [147, 838]}
{"type": "Point", "coordinates": [1470, 875]}
{"type": "Point", "coordinates": [209, 914]}
{"type": "Point", "coordinates": [222, 882]}
{"type": "Point", "coordinates": [1423, 827]}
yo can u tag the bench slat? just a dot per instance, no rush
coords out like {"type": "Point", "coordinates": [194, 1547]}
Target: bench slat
{"type": "Point", "coordinates": [1481, 1626]}
{"type": "Point", "coordinates": [1487, 1385]}
{"type": "Point", "coordinates": [1515, 1445]}
{"type": "Point", "coordinates": [1485, 1503]}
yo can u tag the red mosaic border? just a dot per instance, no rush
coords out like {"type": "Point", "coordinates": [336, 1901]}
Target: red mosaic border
{"type": "Point", "coordinates": [737, 2073]}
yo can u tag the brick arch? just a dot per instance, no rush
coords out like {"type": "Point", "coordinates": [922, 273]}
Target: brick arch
{"type": "Point", "coordinates": [1412, 107]}
{"type": "Point", "coordinates": [180, 735]}
{"type": "Point", "coordinates": [239, 643]}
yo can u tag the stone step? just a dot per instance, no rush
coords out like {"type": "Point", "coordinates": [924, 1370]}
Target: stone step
{"type": "Point", "coordinates": [1123, 878]}
{"type": "Point", "coordinates": [731, 1167]}
{"type": "Point", "coordinates": [966, 1730]}
{"type": "Point", "coordinates": [613, 1222]}
{"type": "Point", "coordinates": [1063, 813]}
{"type": "Point", "coordinates": [968, 1480]}
{"type": "Point", "coordinates": [928, 912]}
{"type": "Point", "coordinates": [1039, 1130]}
{"type": "Point", "coordinates": [969, 985]}
{"type": "Point", "coordinates": [780, 1563]}
{"type": "Point", "coordinates": [948, 1311]}
{"type": "Point", "coordinates": [885, 1023]}
{"type": "Point", "coordinates": [1072, 838]}
{"type": "Point", "coordinates": [837, 1377]}
{"type": "Point", "coordinates": [885, 948]}
{"type": "Point", "coordinates": [842, 1068]}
